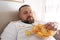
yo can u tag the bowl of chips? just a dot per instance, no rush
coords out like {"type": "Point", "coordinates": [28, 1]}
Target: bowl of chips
{"type": "Point", "coordinates": [40, 31]}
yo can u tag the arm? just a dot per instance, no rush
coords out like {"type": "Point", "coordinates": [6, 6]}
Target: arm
{"type": "Point", "coordinates": [9, 33]}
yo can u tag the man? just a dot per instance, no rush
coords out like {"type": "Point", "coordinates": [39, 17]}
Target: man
{"type": "Point", "coordinates": [17, 30]}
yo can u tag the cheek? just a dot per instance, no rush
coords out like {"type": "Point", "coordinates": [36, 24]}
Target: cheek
{"type": "Point", "coordinates": [24, 17]}
{"type": "Point", "coordinates": [34, 15]}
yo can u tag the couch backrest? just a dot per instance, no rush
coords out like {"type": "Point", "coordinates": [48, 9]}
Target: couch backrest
{"type": "Point", "coordinates": [5, 18]}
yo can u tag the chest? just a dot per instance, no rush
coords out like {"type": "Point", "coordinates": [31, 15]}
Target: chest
{"type": "Point", "coordinates": [23, 36]}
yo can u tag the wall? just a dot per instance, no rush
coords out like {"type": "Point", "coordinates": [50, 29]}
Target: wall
{"type": "Point", "coordinates": [39, 7]}
{"type": "Point", "coordinates": [52, 10]}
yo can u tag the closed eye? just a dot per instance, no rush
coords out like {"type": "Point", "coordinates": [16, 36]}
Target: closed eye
{"type": "Point", "coordinates": [25, 12]}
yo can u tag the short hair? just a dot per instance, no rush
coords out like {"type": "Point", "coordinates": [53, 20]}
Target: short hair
{"type": "Point", "coordinates": [23, 6]}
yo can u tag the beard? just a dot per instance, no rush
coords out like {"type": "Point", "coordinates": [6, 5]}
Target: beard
{"type": "Point", "coordinates": [29, 20]}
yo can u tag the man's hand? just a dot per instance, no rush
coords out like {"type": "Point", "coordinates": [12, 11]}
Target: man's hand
{"type": "Point", "coordinates": [51, 26]}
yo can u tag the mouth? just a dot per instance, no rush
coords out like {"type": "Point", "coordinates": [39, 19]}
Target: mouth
{"type": "Point", "coordinates": [30, 19]}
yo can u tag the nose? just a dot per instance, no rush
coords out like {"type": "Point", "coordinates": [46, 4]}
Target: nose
{"type": "Point", "coordinates": [29, 13]}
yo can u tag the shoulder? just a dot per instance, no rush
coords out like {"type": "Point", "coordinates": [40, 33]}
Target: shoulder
{"type": "Point", "coordinates": [9, 31]}
{"type": "Point", "coordinates": [13, 22]}
{"type": "Point", "coordinates": [16, 24]}
{"type": "Point", "coordinates": [11, 27]}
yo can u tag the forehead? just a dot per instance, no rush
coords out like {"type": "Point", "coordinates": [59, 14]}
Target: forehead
{"type": "Point", "coordinates": [26, 8]}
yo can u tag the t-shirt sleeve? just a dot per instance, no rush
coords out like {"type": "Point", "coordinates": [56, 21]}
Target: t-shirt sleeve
{"type": "Point", "coordinates": [10, 32]}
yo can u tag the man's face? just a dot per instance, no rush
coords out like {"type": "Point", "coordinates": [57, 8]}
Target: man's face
{"type": "Point", "coordinates": [26, 15]}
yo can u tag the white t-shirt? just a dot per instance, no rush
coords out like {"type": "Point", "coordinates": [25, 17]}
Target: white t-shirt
{"type": "Point", "coordinates": [16, 31]}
